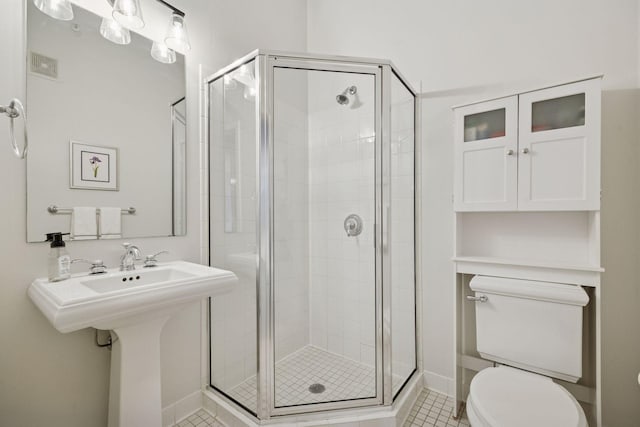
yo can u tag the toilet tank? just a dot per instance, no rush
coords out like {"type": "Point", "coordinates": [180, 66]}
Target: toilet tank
{"type": "Point", "coordinates": [531, 325]}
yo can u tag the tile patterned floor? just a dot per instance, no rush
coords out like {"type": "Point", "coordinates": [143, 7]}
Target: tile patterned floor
{"type": "Point", "coordinates": [343, 379]}
{"type": "Point", "coordinates": [200, 419]}
{"type": "Point", "coordinates": [433, 409]}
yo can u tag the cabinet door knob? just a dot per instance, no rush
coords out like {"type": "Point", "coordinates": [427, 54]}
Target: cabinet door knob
{"type": "Point", "coordinates": [509, 152]}
{"type": "Point", "coordinates": [525, 151]}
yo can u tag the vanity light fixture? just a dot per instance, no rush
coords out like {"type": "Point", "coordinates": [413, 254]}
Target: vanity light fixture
{"type": "Point", "coordinates": [177, 38]}
{"type": "Point", "coordinates": [114, 32]}
{"type": "Point", "coordinates": [161, 53]}
{"type": "Point", "coordinates": [128, 13]}
{"type": "Point", "coordinates": [58, 9]}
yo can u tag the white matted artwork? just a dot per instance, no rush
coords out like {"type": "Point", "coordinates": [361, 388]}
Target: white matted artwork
{"type": "Point", "coordinates": [93, 167]}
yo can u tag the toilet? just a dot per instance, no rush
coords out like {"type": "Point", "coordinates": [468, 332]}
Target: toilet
{"type": "Point", "coordinates": [533, 330]}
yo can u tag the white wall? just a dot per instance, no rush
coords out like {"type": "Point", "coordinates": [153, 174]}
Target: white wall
{"type": "Point", "coordinates": [48, 378]}
{"type": "Point", "coordinates": [462, 51]}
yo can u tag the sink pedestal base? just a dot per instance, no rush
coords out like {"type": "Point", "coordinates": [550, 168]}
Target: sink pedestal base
{"type": "Point", "coordinates": [134, 391]}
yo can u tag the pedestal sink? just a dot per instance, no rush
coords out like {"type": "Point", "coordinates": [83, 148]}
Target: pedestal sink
{"type": "Point", "coordinates": [134, 306]}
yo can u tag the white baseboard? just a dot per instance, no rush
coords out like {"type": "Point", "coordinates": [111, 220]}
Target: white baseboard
{"type": "Point", "coordinates": [439, 383]}
{"type": "Point", "coordinates": [181, 409]}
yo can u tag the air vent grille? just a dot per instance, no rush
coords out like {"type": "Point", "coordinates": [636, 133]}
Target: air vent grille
{"type": "Point", "coordinates": [44, 65]}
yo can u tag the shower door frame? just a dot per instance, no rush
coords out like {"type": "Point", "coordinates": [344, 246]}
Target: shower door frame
{"type": "Point", "coordinates": [265, 62]}
{"type": "Point", "coordinates": [265, 67]}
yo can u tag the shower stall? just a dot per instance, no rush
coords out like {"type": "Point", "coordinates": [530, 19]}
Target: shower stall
{"type": "Point", "coordinates": [312, 177]}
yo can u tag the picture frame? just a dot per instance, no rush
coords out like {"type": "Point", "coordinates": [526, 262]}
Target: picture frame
{"type": "Point", "coordinates": [93, 167]}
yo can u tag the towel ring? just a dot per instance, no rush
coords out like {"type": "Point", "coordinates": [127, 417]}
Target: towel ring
{"type": "Point", "coordinates": [14, 110]}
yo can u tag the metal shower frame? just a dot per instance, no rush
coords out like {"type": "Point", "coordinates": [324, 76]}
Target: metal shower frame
{"type": "Point", "coordinates": [383, 71]}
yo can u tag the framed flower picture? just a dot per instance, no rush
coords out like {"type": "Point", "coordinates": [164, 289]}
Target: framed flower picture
{"type": "Point", "coordinates": [93, 167]}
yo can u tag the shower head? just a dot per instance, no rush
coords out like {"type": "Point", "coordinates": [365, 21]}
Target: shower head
{"type": "Point", "coordinates": [342, 98]}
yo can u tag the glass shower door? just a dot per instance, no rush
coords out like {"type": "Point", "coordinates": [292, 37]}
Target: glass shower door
{"type": "Point", "coordinates": [325, 285]}
{"type": "Point", "coordinates": [233, 238]}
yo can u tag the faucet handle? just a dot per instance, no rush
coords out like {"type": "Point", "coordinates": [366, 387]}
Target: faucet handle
{"type": "Point", "coordinates": [97, 266]}
{"type": "Point", "coordinates": [151, 261]}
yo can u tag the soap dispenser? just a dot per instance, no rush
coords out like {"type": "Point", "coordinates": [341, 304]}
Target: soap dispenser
{"type": "Point", "coordinates": [59, 261]}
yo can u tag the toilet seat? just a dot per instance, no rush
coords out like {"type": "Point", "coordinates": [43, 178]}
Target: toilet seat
{"type": "Point", "coordinates": [507, 397]}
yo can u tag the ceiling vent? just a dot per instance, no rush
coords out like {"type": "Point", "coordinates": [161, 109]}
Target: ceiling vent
{"type": "Point", "coordinates": [43, 65]}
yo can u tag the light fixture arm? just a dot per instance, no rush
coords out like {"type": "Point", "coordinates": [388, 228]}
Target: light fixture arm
{"type": "Point", "coordinates": [170, 6]}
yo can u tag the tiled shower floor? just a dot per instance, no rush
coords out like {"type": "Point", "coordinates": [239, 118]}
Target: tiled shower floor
{"type": "Point", "coordinates": [342, 378]}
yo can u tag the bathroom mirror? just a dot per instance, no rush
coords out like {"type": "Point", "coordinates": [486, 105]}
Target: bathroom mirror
{"type": "Point", "coordinates": [88, 98]}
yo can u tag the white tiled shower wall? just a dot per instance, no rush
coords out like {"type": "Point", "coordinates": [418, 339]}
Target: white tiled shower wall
{"type": "Point", "coordinates": [291, 212]}
{"type": "Point", "coordinates": [342, 182]}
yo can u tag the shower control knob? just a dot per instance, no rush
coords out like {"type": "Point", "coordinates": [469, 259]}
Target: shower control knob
{"type": "Point", "coordinates": [353, 225]}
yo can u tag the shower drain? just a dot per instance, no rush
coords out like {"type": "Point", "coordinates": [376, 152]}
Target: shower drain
{"type": "Point", "coordinates": [316, 388]}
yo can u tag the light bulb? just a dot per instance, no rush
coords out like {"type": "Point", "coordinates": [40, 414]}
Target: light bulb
{"type": "Point", "coordinates": [177, 38]}
{"type": "Point", "coordinates": [128, 13]}
{"type": "Point", "coordinates": [58, 9]}
{"type": "Point", "coordinates": [161, 53]}
{"type": "Point", "coordinates": [114, 32]}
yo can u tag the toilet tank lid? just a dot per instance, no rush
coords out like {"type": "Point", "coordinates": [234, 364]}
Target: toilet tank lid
{"type": "Point", "coordinates": [543, 291]}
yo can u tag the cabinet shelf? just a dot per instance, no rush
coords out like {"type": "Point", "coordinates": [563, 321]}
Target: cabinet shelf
{"type": "Point", "coordinates": [586, 275]}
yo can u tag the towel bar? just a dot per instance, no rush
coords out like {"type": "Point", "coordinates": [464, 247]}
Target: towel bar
{"type": "Point", "coordinates": [53, 209]}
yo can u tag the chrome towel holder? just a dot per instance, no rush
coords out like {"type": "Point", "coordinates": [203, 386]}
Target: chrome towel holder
{"type": "Point", "coordinates": [14, 110]}
{"type": "Point", "coordinates": [53, 209]}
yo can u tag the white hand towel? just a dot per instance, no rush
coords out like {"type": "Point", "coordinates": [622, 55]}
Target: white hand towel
{"type": "Point", "coordinates": [84, 224]}
{"type": "Point", "coordinates": [110, 223]}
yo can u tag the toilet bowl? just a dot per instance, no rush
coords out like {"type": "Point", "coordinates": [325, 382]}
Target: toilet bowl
{"type": "Point", "coordinates": [508, 397]}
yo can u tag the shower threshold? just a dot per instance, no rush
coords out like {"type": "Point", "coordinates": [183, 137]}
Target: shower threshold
{"type": "Point", "coordinates": [301, 372]}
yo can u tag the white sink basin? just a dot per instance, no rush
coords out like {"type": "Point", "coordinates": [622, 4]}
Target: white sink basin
{"type": "Point", "coordinates": [134, 305]}
{"type": "Point", "coordinates": [125, 281]}
{"type": "Point", "coordinates": [114, 299]}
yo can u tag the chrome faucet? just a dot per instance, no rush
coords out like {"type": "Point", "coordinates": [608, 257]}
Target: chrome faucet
{"type": "Point", "coordinates": [131, 254]}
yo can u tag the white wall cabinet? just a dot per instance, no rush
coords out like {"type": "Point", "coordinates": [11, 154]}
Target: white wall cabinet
{"type": "Point", "coordinates": [537, 150]}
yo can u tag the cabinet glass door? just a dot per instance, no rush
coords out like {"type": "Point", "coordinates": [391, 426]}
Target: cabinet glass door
{"type": "Point", "coordinates": [559, 149]}
{"type": "Point", "coordinates": [486, 145]}
{"type": "Point", "coordinates": [484, 125]}
{"type": "Point", "coordinates": [558, 113]}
